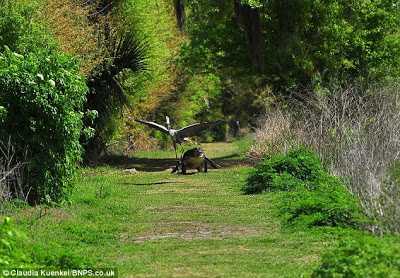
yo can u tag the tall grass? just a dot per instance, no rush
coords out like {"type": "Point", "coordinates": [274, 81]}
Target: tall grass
{"type": "Point", "coordinates": [356, 132]}
{"type": "Point", "coordinates": [274, 135]}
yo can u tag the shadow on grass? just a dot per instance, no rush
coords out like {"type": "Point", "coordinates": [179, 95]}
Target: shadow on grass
{"type": "Point", "coordinates": [161, 164]}
{"type": "Point", "coordinates": [151, 183]}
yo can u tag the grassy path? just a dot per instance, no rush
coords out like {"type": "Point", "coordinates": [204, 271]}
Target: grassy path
{"type": "Point", "coordinates": [154, 224]}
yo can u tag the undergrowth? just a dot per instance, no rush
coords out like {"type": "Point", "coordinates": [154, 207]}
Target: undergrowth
{"type": "Point", "coordinates": [310, 196]}
{"type": "Point", "coordinates": [12, 252]}
{"type": "Point", "coordinates": [16, 252]}
{"type": "Point", "coordinates": [307, 196]}
{"type": "Point", "coordinates": [365, 256]}
{"type": "Point", "coordinates": [354, 131]}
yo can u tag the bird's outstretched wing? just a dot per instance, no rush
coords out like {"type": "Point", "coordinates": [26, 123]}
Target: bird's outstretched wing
{"type": "Point", "coordinates": [154, 125]}
{"type": "Point", "coordinates": [195, 129]}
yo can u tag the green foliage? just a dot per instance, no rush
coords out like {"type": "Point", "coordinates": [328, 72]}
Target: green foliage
{"type": "Point", "coordinates": [331, 39]}
{"type": "Point", "coordinates": [3, 113]}
{"type": "Point", "coordinates": [218, 47]}
{"type": "Point", "coordinates": [215, 40]}
{"type": "Point", "coordinates": [253, 3]}
{"type": "Point", "coordinates": [199, 101]}
{"type": "Point", "coordinates": [43, 96]}
{"type": "Point", "coordinates": [139, 15]}
{"type": "Point", "coordinates": [311, 197]}
{"type": "Point", "coordinates": [323, 41]}
{"type": "Point", "coordinates": [298, 169]}
{"type": "Point", "coordinates": [18, 29]}
{"type": "Point", "coordinates": [361, 257]}
{"type": "Point", "coordinates": [13, 23]}
{"type": "Point", "coordinates": [151, 25]}
{"type": "Point", "coordinates": [12, 252]}
{"type": "Point", "coordinates": [107, 96]}
{"type": "Point", "coordinates": [16, 253]}
{"type": "Point", "coordinates": [201, 93]}
{"type": "Point", "coordinates": [329, 204]}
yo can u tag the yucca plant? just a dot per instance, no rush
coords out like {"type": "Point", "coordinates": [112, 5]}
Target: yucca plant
{"type": "Point", "coordinates": [125, 54]}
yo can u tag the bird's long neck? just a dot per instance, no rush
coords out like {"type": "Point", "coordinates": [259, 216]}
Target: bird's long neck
{"type": "Point", "coordinates": [168, 122]}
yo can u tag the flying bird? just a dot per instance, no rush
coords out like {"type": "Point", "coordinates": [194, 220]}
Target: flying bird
{"type": "Point", "coordinates": [179, 136]}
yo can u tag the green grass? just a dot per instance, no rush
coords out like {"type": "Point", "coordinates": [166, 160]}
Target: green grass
{"type": "Point", "coordinates": [156, 224]}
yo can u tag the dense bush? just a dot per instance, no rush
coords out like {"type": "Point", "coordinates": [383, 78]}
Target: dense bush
{"type": "Point", "coordinates": [329, 204]}
{"type": "Point", "coordinates": [13, 22]}
{"type": "Point", "coordinates": [18, 28]}
{"type": "Point", "coordinates": [76, 33]}
{"type": "Point", "coordinates": [312, 197]}
{"type": "Point", "coordinates": [362, 257]}
{"type": "Point", "coordinates": [283, 172]}
{"type": "Point", "coordinates": [42, 95]}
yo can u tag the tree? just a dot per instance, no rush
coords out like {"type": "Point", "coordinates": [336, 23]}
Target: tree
{"type": "Point", "coordinates": [180, 13]}
{"type": "Point", "coordinates": [249, 19]}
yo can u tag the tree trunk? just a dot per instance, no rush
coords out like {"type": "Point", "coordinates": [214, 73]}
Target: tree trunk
{"type": "Point", "coordinates": [180, 13]}
{"type": "Point", "coordinates": [249, 19]}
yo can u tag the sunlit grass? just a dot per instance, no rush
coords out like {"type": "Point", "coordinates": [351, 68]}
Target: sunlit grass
{"type": "Point", "coordinates": [156, 224]}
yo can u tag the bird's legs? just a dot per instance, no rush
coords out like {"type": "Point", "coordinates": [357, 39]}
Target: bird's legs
{"type": "Point", "coordinates": [176, 154]}
{"type": "Point", "coordinates": [182, 149]}
{"type": "Point", "coordinates": [178, 160]}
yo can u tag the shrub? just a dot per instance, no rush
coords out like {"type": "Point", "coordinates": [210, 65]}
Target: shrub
{"type": "Point", "coordinates": [283, 172]}
{"type": "Point", "coordinates": [330, 204]}
{"type": "Point", "coordinates": [13, 22]}
{"type": "Point", "coordinates": [362, 257]}
{"type": "Point", "coordinates": [355, 131]}
{"type": "Point", "coordinates": [314, 199]}
{"type": "Point", "coordinates": [18, 30]}
{"type": "Point", "coordinates": [43, 94]}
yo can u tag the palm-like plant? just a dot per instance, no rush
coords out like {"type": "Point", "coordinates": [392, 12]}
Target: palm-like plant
{"type": "Point", "coordinates": [106, 95]}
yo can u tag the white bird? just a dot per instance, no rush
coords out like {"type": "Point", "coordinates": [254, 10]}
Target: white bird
{"type": "Point", "coordinates": [180, 135]}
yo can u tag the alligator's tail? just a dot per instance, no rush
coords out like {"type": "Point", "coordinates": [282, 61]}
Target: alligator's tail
{"type": "Point", "coordinates": [212, 163]}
